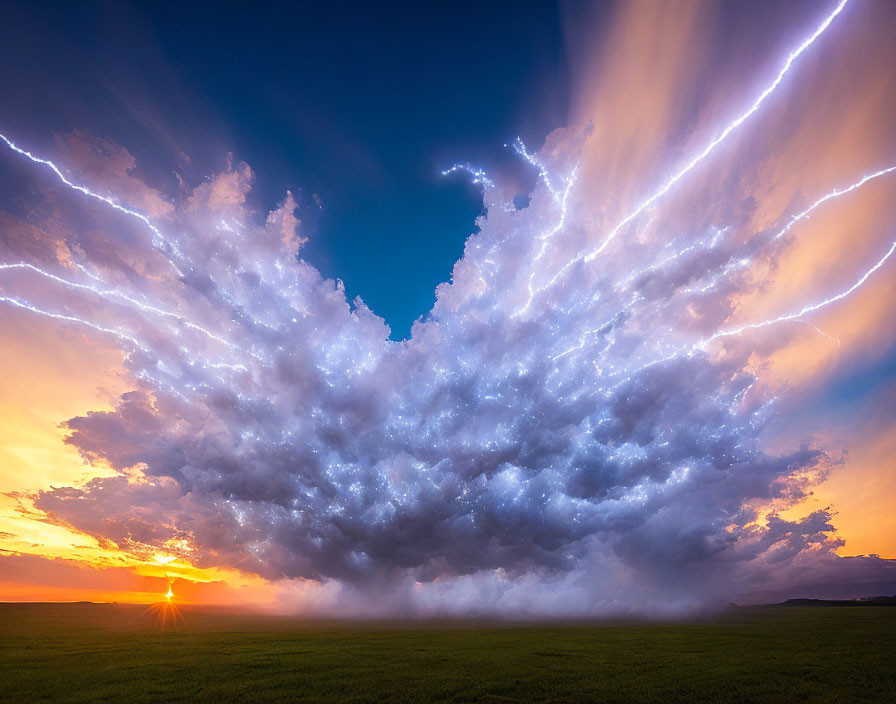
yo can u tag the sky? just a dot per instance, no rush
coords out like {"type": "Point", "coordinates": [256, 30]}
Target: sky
{"type": "Point", "coordinates": [632, 354]}
{"type": "Point", "coordinates": [355, 107]}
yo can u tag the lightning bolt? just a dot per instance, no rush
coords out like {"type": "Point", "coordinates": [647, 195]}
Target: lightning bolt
{"type": "Point", "coordinates": [547, 235]}
{"type": "Point", "coordinates": [478, 176]}
{"type": "Point", "coordinates": [159, 239]}
{"type": "Point", "coordinates": [691, 165]}
{"type": "Point", "coordinates": [738, 264]}
{"type": "Point", "coordinates": [24, 305]}
{"type": "Point", "coordinates": [114, 293]}
{"type": "Point", "coordinates": [833, 194]}
{"type": "Point", "coordinates": [737, 122]}
{"type": "Point", "coordinates": [810, 308]}
{"type": "Point", "coordinates": [543, 173]}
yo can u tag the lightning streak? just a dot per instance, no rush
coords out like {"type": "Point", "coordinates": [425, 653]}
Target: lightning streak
{"type": "Point", "coordinates": [833, 194]}
{"type": "Point", "coordinates": [159, 240]}
{"type": "Point", "coordinates": [114, 293]}
{"type": "Point", "coordinates": [736, 265]}
{"type": "Point", "coordinates": [543, 172]}
{"type": "Point", "coordinates": [478, 176]}
{"type": "Point", "coordinates": [73, 319]}
{"type": "Point", "coordinates": [690, 166]}
{"type": "Point", "coordinates": [810, 308]}
{"type": "Point", "coordinates": [737, 122]}
{"type": "Point", "coordinates": [562, 202]}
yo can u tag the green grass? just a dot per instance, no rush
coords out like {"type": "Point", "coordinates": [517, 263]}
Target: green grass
{"type": "Point", "coordinates": [89, 653]}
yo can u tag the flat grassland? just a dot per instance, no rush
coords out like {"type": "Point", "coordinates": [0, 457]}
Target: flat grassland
{"type": "Point", "coordinates": [115, 653]}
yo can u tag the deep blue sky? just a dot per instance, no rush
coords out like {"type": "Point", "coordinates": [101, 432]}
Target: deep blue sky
{"type": "Point", "coordinates": [360, 103]}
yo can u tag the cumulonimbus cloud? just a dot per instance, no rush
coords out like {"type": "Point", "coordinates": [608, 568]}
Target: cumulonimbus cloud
{"type": "Point", "coordinates": [560, 434]}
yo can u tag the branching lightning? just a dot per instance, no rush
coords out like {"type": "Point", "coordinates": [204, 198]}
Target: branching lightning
{"type": "Point", "coordinates": [691, 165]}
{"type": "Point", "coordinates": [115, 293]}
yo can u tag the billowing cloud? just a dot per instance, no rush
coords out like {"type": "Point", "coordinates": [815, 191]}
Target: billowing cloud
{"type": "Point", "coordinates": [577, 426]}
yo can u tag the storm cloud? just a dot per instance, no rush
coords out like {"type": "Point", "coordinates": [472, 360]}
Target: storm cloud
{"type": "Point", "coordinates": [560, 434]}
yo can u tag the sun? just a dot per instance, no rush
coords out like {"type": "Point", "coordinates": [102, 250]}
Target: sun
{"type": "Point", "coordinates": [169, 594]}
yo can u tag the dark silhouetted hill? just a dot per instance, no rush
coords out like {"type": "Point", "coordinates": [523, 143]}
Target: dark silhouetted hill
{"type": "Point", "coordinates": [866, 601]}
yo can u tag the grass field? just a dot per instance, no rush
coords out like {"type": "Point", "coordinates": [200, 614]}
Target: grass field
{"type": "Point", "coordinates": [100, 653]}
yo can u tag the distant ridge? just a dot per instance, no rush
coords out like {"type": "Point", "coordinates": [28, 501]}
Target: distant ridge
{"type": "Point", "coordinates": [865, 601]}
